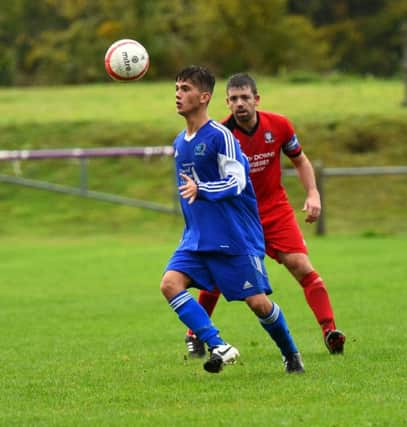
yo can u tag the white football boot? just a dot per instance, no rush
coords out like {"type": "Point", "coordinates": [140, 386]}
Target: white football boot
{"type": "Point", "coordinates": [221, 355]}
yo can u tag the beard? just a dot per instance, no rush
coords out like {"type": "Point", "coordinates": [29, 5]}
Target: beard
{"type": "Point", "coordinates": [242, 115]}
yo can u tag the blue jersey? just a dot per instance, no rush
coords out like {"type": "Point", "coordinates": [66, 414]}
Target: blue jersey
{"type": "Point", "coordinates": [224, 216]}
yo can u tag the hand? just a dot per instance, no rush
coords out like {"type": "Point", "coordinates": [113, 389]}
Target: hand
{"type": "Point", "coordinates": [312, 206]}
{"type": "Point", "coordinates": [189, 190]}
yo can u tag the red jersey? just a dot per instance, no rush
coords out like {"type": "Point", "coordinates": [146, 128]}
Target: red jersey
{"type": "Point", "coordinates": [272, 135]}
{"type": "Point", "coordinates": [263, 146]}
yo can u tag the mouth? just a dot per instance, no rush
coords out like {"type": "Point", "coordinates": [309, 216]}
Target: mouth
{"type": "Point", "coordinates": [241, 113]}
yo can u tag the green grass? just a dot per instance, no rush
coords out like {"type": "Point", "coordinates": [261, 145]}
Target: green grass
{"type": "Point", "coordinates": [149, 104]}
{"type": "Point", "coordinates": [87, 340]}
{"type": "Point", "coordinates": [343, 122]}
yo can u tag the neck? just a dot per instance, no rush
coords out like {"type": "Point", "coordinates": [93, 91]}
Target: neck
{"type": "Point", "coordinates": [194, 123]}
{"type": "Point", "coordinates": [248, 125]}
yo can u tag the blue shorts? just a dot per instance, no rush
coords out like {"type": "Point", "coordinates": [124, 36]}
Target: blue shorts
{"type": "Point", "coordinates": [237, 276]}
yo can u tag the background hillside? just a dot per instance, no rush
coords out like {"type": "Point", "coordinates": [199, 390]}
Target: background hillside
{"type": "Point", "coordinates": [340, 122]}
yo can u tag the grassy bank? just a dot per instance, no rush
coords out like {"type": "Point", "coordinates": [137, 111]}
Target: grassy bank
{"type": "Point", "coordinates": [349, 122]}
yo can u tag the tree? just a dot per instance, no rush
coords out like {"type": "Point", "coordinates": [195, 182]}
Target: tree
{"type": "Point", "coordinates": [236, 35]}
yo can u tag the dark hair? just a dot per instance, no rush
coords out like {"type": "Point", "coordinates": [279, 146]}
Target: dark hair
{"type": "Point", "coordinates": [241, 80]}
{"type": "Point", "coordinates": [199, 76]}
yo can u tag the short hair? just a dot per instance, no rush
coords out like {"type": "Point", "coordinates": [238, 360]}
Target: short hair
{"type": "Point", "coordinates": [241, 80]}
{"type": "Point", "coordinates": [201, 77]}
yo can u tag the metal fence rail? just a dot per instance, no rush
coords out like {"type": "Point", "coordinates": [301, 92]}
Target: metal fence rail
{"type": "Point", "coordinates": [321, 173]}
{"type": "Point", "coordinates": [83, 191]}
{"type": "Point", "coordinates": [76, 153]}
{"type": "Point", "coordinates": [83, 154]}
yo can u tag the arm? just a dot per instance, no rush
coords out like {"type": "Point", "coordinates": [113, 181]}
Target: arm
{"type": "Point", "coordinates": [305, 171]}
{"type": "Point", "coordinates": [231, 185]}
{"type": "Point", "coordinates": [233, 169]}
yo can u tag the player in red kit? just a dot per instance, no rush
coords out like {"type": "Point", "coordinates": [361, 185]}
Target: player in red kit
{"type": "Point", "coordinates": [263, 135]}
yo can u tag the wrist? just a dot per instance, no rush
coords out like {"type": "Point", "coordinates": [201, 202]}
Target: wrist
{"type": "Point", "coordinates": [313, 191]}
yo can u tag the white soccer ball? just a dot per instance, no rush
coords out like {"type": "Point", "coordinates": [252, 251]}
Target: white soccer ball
{"type": "Point", "coordinates": [127, 59]}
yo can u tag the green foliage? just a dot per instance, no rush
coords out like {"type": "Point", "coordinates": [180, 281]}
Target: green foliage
{"type": "Point", "coordinates": [63, 41]}
{"type": "Point", "coordinates": [352, 27]}
{"type": "Point", "coordinates": [7, 67]}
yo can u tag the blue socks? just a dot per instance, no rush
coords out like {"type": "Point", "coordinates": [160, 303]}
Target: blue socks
{"type": "Point", "coordinates": [276, 326]}
{"type": "Point", "coordinates": [193, 315]}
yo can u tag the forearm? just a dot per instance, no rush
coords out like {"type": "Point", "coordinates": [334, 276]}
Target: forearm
{"type": "Point", "coordinates": [306, 175]}
{"type": "Point", "coordinates": [231, 184]}
{"type": "Point", "coordinates": [218, 190]}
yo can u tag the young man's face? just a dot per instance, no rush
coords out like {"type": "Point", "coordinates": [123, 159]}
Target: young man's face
{"type": "Point", "coordinates": [189, 98]}
{"type": "Point", "coordinates": [242, 103]}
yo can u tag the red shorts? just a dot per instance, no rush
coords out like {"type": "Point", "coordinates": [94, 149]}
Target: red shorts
{"type": "Point", "coordinates": [282, 232]}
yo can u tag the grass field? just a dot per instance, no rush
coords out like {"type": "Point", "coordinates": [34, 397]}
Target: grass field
{"type": "Point", "coordinates": [87, 340]}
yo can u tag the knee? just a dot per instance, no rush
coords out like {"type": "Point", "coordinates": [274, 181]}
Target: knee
{"type": "Point", "coordinates": [260, 305]}
{"type": "Point", "coordinates": [172, 283]}
{"type": "Point", "coordinates": [297, 264]}
{"type": "Point", "coordinates": [165, 285]}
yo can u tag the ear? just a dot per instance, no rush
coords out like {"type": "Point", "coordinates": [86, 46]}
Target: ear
{"type": "Point", "coordinates": [205, 97]}
{"type": "Point", "coordinates": [257, 99]}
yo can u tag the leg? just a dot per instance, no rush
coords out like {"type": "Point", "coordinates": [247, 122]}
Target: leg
{"type": "Point", "coordinates": [316, 295]}
{"type": "Point", "coordinates": [208, 300]}
{"type": "Point", "coordinates": [174, 288]}
{"type": "Point", "coordinates": [273, 322]}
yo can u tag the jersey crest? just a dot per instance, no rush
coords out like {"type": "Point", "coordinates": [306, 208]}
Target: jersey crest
{"type": "Point", "coordinates": [268, 137]}
{"type": "Point", "coordinates": [199, 149]}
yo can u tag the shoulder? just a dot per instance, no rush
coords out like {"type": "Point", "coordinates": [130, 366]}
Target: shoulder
{"type": "Point", "coordinates": [180, 137]}
{"type": "Point", "coordinates": [221, 130]}
{"type": "Point", "coordinates": [275, 117]}
{"type": "Point", "coordinates": [276, 120]}
{"type": "Point", "coordinates": [229, 122]}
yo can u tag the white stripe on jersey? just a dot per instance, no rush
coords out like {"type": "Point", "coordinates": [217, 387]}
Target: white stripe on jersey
{"type": "Point", "coordinates": [234, 168]}
{"type": "Point", "coordinates": [228, 137]}
{"type": "Point", "coordinates": [212, 187]}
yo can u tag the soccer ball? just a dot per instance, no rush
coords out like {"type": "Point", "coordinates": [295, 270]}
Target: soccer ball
{"type": "Point", "coordinates": [126, 60]}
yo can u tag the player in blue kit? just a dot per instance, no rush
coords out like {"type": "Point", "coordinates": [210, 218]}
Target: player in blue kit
{"type": "Point", "coordinates": [222, 242]}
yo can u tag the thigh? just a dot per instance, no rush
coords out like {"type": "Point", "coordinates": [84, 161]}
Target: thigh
{"type": "Point", "coordinates": [283, 234]}
{"type": "Point", "coordinates": [194, 266]}
{"type": "Point", "coordinates": [239, 277]}
{"type": "Point", "coordinates": [298, 264]}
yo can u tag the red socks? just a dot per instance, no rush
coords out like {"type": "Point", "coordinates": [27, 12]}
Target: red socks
{"type": "Point", "coordinates": [317, 298]}
{"type": "Point", "coordinates": [208, 301]}
{"type": "Point", "coordinates": [315, 293]}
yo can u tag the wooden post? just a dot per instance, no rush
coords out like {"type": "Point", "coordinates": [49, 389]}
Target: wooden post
{"type": "Point", "coordinates": [404, 60]}
{"type": "Point", "coordinates": [319, 177]}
